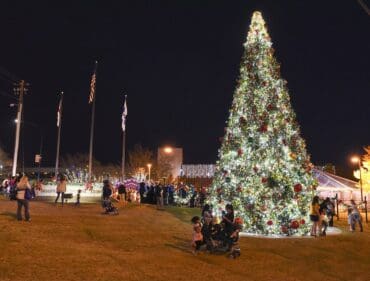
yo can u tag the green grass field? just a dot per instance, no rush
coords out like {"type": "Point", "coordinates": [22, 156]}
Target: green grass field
{"type": "Point", "coordinates": [143, 243]}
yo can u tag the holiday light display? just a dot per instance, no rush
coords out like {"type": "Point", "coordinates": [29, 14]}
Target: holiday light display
{"type": "Point", "coordinates": [263, 168]}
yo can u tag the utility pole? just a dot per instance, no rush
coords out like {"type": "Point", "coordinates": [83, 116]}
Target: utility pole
{"type": "Point", "coordinates": [20, 90]}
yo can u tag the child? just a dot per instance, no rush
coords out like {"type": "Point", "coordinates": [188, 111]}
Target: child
{"type": "Point", "coordinates": [78, 198]}
{"type": "Point", "coordinates": [197, 240]}
{"type": "Point", "coordinates": [323, 222]}
{"type": "Point", "coordinates": [233, 246]}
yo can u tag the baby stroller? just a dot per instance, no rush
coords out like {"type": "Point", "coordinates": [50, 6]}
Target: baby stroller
{"type": "Point", "coordinates": [109, 208]}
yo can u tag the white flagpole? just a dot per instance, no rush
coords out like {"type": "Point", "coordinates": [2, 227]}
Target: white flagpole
{"type": "Point", "coordinates": [59, 125]}
{"type": "Point", "coordinates": [124, 114]}
{"type": "Point", "coordinates": [92, 99]}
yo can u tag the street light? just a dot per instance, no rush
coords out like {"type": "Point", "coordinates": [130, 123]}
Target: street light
{"type": "Point", "coordinates": [356, 159]}
{"type": "Point", "coordinates": [149, 167]}
{"type": "Point", "coordinates": [168, 150]}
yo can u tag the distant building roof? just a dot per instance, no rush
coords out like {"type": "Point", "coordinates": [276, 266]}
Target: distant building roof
{"type": "Point", "coordinates": [325, 180]}
{"type": "Point", "coordinates": [330, 181]}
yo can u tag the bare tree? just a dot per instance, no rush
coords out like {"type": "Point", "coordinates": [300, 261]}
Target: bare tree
{"type": "Point", "coordinates": [4, 158]}
{"type": "Point", "coordinates": [138, 159]}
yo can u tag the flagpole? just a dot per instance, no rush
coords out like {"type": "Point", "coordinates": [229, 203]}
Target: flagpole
{"type": "Point", "coordinates": [59, 124]}
{"type": "Point", "coordinates": [92, 127]}
{"type": "Point", "coordinates": [124, 139]}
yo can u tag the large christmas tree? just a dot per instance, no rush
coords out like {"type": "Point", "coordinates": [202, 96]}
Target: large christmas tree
{"type": "Point", "coordinates": [263, 169]}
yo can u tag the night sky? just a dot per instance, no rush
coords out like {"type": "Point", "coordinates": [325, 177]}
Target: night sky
{"type": "Point", "coordinates": [178, 62]}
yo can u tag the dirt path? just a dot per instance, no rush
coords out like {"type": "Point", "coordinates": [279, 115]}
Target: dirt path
{"type": "Point", "coordinates": [142, 243]}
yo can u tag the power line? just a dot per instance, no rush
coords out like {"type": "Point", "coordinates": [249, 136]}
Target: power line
{"type": "Point", "coordinates": [6, 75]}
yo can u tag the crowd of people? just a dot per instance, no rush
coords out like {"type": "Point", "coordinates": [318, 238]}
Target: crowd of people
{"type": "Point", "coordinates": [23, 190]}
{"type": "Point", "coordinates": [322, 215]}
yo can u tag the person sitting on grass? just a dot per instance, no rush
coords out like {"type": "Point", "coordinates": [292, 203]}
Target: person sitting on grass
{"type": "Point", "coordinates": [217, 235]}
{"type": "Point", "coordinates": [228, 220]}
{"type": "Point", "coordinates": [207, 231]}
{"type": "Point", "coordinates": [234, 236]}
{"type": "Point", "coordinates": [197, 240]}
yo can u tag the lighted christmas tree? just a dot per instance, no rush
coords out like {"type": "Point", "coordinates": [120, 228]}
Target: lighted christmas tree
{"type": "Point", "coordinates": [263, 170]}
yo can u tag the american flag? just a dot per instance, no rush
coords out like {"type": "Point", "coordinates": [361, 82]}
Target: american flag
{"type": "Point", "coordinates": [92, 88]}
{"type": "Point", "coordinates": [59, 112]}
{"type": "Point", "coordinates": [124, 114]}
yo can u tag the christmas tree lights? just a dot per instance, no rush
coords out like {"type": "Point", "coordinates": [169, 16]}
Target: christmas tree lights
{"type": "Point", "coordinates": [263, 168]}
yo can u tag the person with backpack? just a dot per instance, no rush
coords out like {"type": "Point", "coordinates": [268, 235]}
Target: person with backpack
{"type": "Point", "coordinates": [24, 194]}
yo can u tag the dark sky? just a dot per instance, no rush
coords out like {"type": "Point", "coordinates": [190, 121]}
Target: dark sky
{"type": "Point", "coordinates": [178, 62]}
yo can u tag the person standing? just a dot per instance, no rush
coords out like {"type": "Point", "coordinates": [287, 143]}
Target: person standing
{"type": "Point", "coordinates": [23, 197]}
{"type": "Point", "coordinates": [61, 188]}
{"type": "Point", "coordinates": [122, 193]}
{"type": "Point", "coordinates": [355, 216]}
{"type": "Point", "coordinates": [328, 207]}
{"type": "Point", "coordinates": [78, 198]}
{"type": "Point", "coordinates": [142, 191]}
{"type": "Point", "coordinates": [314, 215]}
{"type": "Point", "coordinates": [159, 195]}
{"type": "Point", "coordinates": [107, 190]}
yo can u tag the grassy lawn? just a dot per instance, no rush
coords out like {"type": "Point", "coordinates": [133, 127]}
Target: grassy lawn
{"type": "Point", "coordinates": [142, 243]}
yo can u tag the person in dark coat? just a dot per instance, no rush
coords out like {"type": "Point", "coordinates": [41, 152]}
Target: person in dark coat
{"type": "Point", "coordinates": [122, 192]}
{"type": "Point", "coordinates": [142, 191]}
{"type": "Point", "coordinates": [107, 189]}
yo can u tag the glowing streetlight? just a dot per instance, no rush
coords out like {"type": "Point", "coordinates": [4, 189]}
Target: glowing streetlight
{"type": "Point", "coordinates": [168, 150]}
{"type": "Point", "coordinates": [149, 167]}
{"type": "Point", "coordinates": [357, 160]}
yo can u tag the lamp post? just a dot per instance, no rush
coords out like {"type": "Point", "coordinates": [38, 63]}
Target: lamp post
{"type": "Point", "coordinates": [356, 159]}
{"type": "Point", "coordinates": [149, 167]}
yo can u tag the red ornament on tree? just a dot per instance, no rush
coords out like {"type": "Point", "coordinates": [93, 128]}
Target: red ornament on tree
{"type": "Point", "coordinates": [263, 128]}
{"type": "Point", "coordinates": [294, 224]}
{"type": "Point", "coordinates": [270, 107]}
{"type": "Point", "coordinates": [270, 222]}
{"type": "Point", "coordinates": [297, 187]}
{"type": "Point", "coordinates": [302, 221]}
{"type": "Point", "coordinates": [284, 229]}
{"type": "Point", "coordinates": [240, 152]}
{"type": "Point", "coordinates": [264, 180]}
